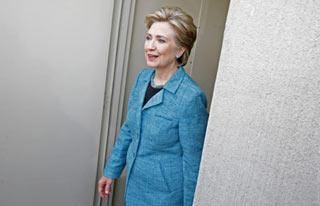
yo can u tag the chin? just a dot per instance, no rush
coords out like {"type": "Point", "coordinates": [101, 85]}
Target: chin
{"type": "Point", "coordinates": [152, 64]}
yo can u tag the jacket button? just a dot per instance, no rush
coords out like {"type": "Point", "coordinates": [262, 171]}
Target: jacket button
{"type": "Point", "coordinates": [133, 154]}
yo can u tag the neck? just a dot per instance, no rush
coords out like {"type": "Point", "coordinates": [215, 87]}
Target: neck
{"type": "Point", "coordinates": [163, 75]}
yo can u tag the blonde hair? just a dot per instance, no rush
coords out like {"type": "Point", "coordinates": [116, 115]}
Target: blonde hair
{"type": "Point", "coordinates": [182, 24]}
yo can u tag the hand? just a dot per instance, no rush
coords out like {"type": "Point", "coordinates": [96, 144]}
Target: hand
{"type": "Point", "coordinates": [104, 186]}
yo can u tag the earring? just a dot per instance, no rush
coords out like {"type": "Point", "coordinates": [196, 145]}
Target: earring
{"type": "Point", "coordinates": [177, 56]}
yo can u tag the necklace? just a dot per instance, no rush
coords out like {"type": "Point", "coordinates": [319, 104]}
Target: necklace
{"type": "Point", "coordinates": [154, 85]}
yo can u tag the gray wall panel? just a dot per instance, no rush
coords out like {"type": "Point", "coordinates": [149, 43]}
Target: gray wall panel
{"type": "Point", "coordinates": [52, 77]}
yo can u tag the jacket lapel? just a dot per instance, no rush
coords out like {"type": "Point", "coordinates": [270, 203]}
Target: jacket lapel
{"type": "Point", "coordinates": [171, 86]}
{"type": "Point", "coordinates": [143, 88]}
{"type": "Point", "coordinates": [142, 91]}
{"type": "Point", "coordinates": [155, 100]}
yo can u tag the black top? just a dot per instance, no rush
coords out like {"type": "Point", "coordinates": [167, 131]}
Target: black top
{"type": "Point", "coordinates": [151, 91]}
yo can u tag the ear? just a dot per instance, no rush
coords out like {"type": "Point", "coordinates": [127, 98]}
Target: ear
{"type": "Point", "coordinates": [180, 52]}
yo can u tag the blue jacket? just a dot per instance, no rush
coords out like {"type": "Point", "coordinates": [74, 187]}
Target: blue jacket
{"type": "Point", "coordinates": [161, 142]}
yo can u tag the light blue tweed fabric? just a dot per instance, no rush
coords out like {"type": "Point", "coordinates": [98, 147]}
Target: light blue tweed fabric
{"type": "Point", "coordinates": [161, 143]}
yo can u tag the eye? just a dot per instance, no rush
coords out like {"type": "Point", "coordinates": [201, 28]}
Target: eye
{"type": "Point", "coordinates": [162, 41]}
{"type": "Point", "coordinates": [148, 37]}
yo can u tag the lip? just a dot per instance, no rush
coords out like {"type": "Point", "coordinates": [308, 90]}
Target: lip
{"type": "Point", "coordinates": [152, 57]}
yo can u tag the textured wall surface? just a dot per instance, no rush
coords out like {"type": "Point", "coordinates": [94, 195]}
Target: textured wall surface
{"type": "Point", "coordinates": [262, 143]}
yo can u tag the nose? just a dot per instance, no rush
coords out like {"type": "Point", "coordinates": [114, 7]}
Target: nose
{"type": "Point", "coordinates": [150, 44]}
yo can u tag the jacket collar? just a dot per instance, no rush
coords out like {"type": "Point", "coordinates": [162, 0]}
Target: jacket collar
{"type": "Point", "coordinates": [173, 83]}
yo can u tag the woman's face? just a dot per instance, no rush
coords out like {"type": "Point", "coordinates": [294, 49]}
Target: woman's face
{"type": "Point", "coordinates": [160, 47]}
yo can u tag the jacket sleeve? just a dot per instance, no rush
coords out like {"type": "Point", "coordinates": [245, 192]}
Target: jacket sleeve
{"type": "Point", "coordinates": [117, 159]}
{"type": "Point", "coordinates": [192, 129]}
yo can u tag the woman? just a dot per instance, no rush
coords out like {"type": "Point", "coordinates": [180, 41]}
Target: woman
{"type": "Point", "coordinates": [162, 138]}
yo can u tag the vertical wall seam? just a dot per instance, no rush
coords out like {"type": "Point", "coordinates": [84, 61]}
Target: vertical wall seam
{"type": "Point", "coordinates": [107, 104]}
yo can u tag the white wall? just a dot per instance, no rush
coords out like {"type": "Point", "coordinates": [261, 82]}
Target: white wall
{"type": "Point", "coordinates": [52, 77]}
{"type": "Point", "coordinates": [263, 137]}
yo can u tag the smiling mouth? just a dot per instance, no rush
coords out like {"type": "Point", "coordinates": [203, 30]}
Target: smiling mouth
{"type": "Point", "coordinates": [152, 57]}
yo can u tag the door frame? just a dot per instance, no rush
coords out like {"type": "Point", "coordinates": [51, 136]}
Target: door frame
{"type": "Point", "coordinates": [118, 48]}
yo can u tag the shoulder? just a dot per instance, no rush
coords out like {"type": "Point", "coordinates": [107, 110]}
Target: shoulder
{"type": "Point", "coordinates": [193, 101]}
{"type": "Point", "coordinates": [191, 91]}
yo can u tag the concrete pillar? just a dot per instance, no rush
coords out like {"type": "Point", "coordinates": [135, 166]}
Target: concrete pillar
{"type": "Point", "coordinates": [262, 143]}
